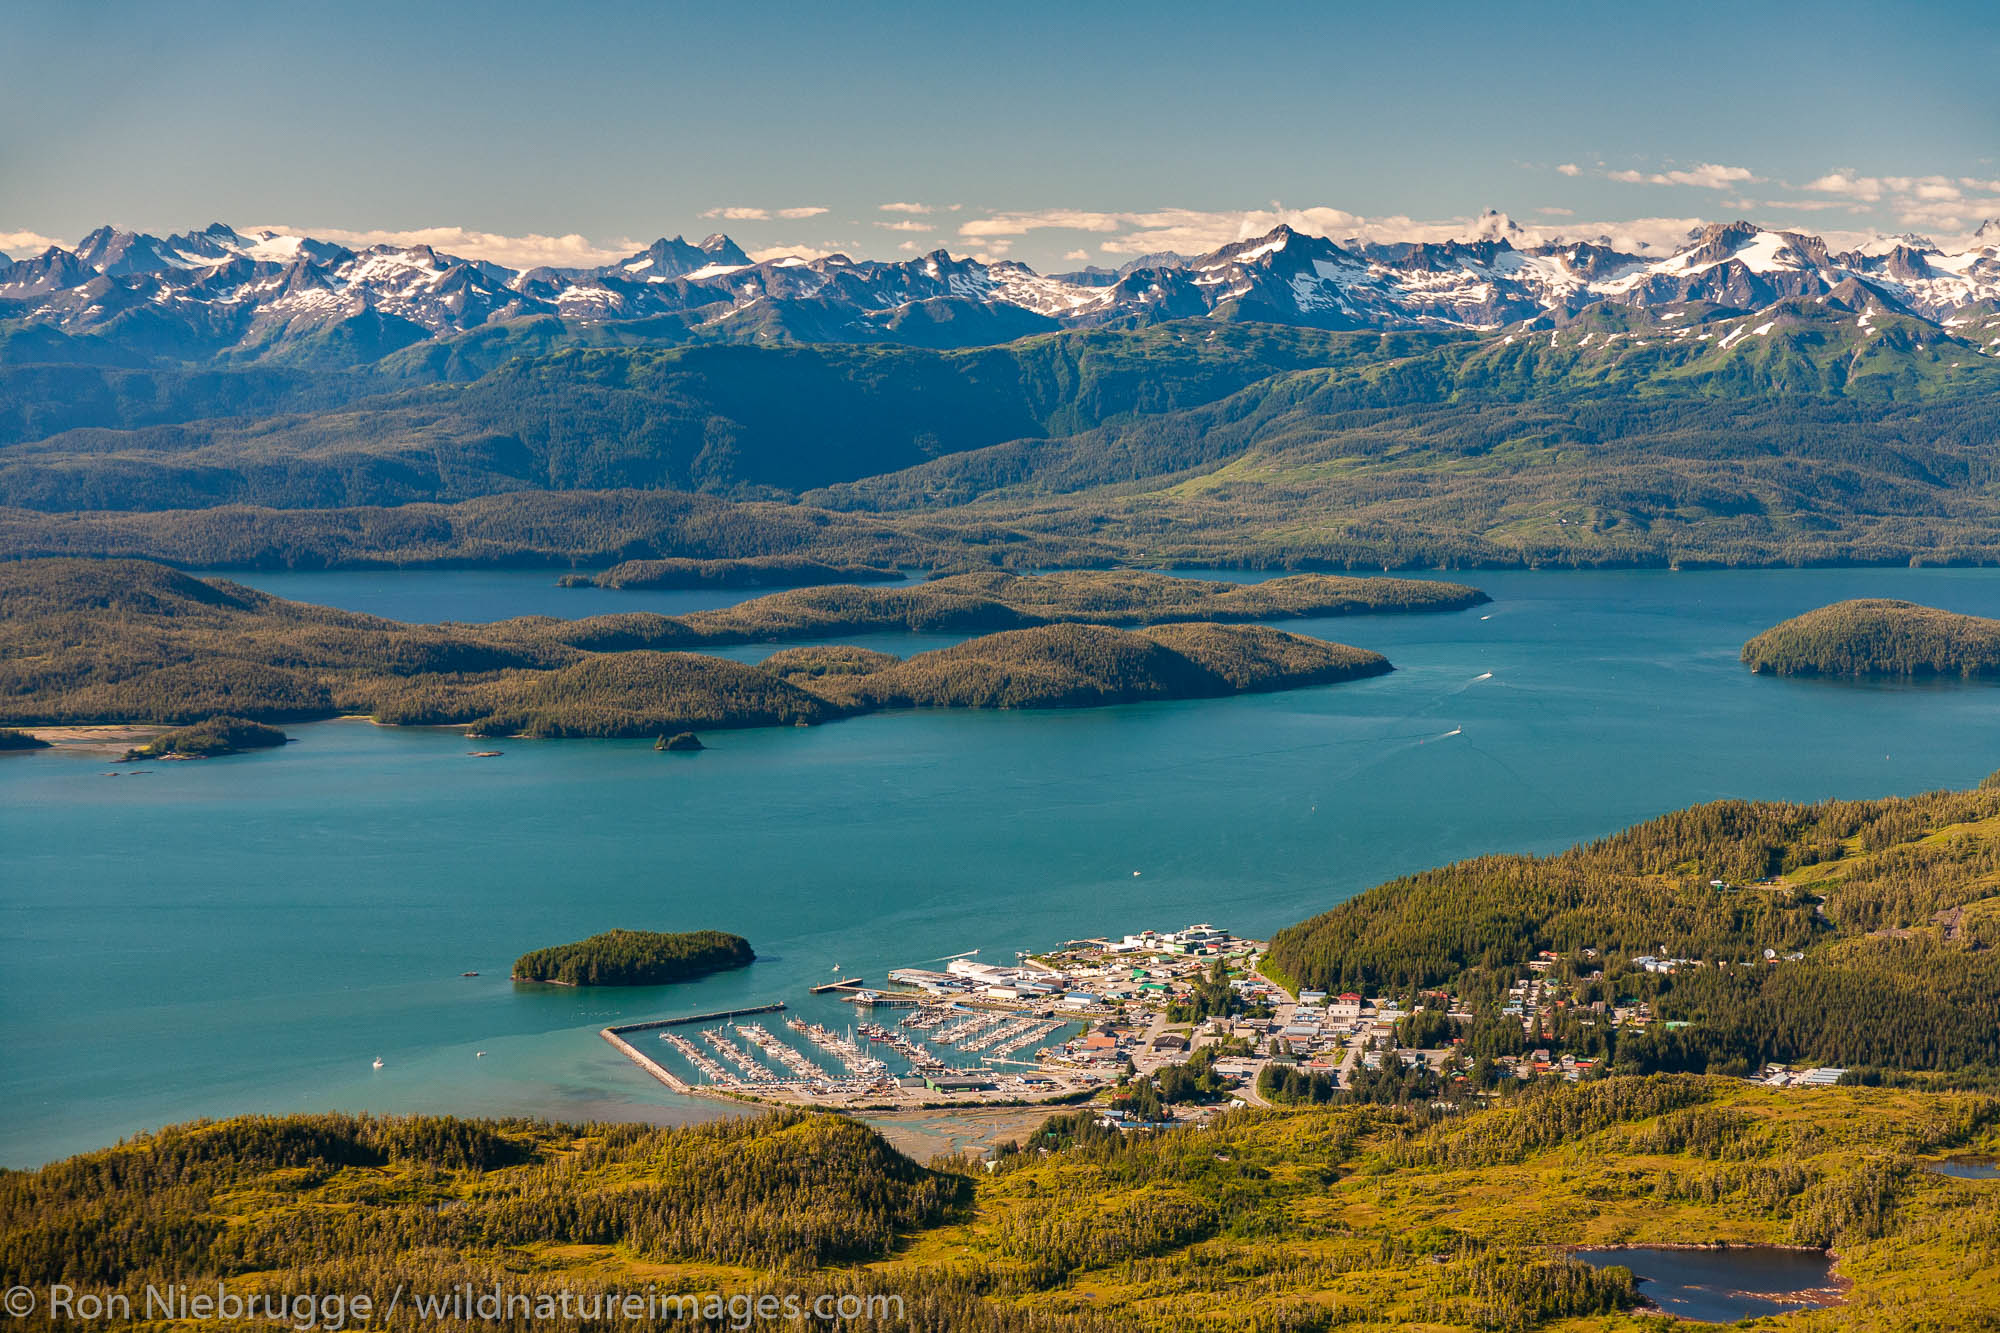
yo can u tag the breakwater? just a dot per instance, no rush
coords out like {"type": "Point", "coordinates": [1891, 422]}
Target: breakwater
{"type": "Point", "coordinates": [616, 1036]}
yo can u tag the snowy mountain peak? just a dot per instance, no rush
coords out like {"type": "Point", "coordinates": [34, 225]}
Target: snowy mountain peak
{"type": "Point", "coordinates": [216, 291]}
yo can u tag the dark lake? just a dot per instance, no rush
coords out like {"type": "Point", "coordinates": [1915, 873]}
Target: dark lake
{"type": "Point", "coordinates": [1723, 1286]}
{"type": "Point", "coordinates": [1967, 1168]}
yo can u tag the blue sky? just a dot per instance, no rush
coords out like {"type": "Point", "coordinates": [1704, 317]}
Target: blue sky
{"type": "Point", "coordinates": [1052, 133]}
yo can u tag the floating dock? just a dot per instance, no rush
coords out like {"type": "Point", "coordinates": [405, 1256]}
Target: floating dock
{"type": "Point", "coordinates": [836, 985]}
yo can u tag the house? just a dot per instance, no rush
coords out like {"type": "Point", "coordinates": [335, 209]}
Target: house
{"type": "Point", "coordinates": [1347, 1005]}
{"type": "Point", "coordinates": [1170, 1041]}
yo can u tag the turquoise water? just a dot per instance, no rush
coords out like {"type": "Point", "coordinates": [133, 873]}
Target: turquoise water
{"type": "Point", "coordinates": [250, 933]}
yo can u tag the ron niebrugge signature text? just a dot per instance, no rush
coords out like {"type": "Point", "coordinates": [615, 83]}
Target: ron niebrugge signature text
{"type": "Point", "coordinates": [332, 1312]}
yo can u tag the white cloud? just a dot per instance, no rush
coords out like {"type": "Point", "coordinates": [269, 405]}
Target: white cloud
{"type": "Point", "coordinates": [908, 224]}
{"type": "Point", "coordinates": [792, 251]}
{"type": "Point", "coordinates": [27, 242]}
{"type": "Point", "coordinates": [744, 213]}
{"type": "Point", "coordinates": [1707, 176]}
{"type": "Point", "coordinates": [904, 208]}
{"type": "Point", "coordinates": [529, 251]}
{"type": "Point", "coordinates": [1569, 169]}
{"type": "Point", "coordinates": [1557, 212]}
{"type": "Point", "coordinates": [1942, 203]}
{"type": "Point", "coordinates": [1194, 231]}
{"type": "Point", "coordinates": [1059, 219]}
{"type": "Point", "coordinates": [1076, 254]}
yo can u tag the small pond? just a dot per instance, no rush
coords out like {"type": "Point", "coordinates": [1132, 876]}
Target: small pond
{"type": "Point", "coordinates": [1967, 1168]}
{"type": "Point", "coordinates": [1722, 1286]}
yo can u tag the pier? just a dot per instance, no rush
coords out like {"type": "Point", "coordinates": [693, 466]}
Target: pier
{"type": "Point", "coordinates": [837, 985]}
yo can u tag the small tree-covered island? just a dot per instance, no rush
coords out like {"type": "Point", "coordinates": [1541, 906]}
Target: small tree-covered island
{"type": "Point", "coordinates": [635, 958]}
{"type": "Point", "coordinates": [1878, 637]}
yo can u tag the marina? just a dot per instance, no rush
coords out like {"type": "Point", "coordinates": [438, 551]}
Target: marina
{"type": "Point", "coordinates": [976, 1033]}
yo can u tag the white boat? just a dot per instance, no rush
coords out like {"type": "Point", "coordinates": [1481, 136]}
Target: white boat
{"type": "Point", "coordinates": [378, 1062]}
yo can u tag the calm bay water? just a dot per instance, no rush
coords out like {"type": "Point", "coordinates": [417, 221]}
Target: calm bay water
{"type": "Point", "coordinates": [250, 933]}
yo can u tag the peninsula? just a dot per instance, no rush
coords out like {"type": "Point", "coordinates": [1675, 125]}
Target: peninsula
{"type": "Point", "coordinates": [635, 958]}
{"type": "Point", "coordinates": [132, 641]}
{"type": "Point", "coordinates": [1878, 637]}
{"type": "Point", "coordinates": [210, 739]}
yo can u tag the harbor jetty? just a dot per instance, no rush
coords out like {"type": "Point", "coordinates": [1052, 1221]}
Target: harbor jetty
{"type": "Point", "coordinates": [708, 1068]}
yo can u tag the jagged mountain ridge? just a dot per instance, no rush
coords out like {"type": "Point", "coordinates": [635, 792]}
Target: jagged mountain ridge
{"type": "Point", "coordinates": [217, 295]}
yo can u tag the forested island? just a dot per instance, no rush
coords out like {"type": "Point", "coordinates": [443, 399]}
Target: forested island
{"type": "Point", "coordinates": [13, 739]}
{"type": "Point", "coordinates": [1878, 637]}
{"type": "Point", "coordinates": [765, 571]}
{"type": "Point", "coordinates": [635, 958]}
{"type": "Point", "coordinates": [130, 641]}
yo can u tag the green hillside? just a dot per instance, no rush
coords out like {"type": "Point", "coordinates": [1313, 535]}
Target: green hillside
{"type": "Point", "coordinates": [1810, 432]}
{"type": "Point", "coordinates": [1847, 933]}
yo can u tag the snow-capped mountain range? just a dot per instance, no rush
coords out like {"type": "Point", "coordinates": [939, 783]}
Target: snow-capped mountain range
{"type": "Point", "coordinates": [217, 293]}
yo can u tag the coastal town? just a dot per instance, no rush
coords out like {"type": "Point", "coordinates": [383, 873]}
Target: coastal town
{"type": "Point", "coordinates": [1188, 1010]}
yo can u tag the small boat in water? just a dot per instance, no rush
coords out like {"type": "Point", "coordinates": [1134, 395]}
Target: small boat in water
{"type": "Point", "coordinates": [468, 974]}
{"type": "Point", "coordinates": [378, 1062]}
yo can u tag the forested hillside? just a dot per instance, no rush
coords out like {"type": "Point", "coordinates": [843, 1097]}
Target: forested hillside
{"type": "Point", "coordinates": [1814, 430]}
{"type": "Point", "coordinates": [737, 421]}
{"type": "Point", "coordinates": [1850, 933]}
{"type": "Point", "coordinates": [1362, 1218]}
